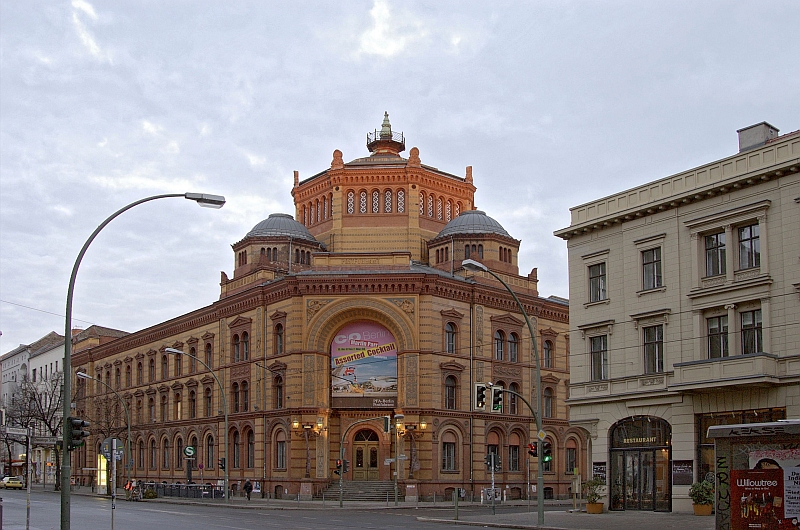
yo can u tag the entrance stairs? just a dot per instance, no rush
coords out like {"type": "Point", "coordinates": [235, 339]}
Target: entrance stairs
{"type": "Point", "coordinates": [372, 490]}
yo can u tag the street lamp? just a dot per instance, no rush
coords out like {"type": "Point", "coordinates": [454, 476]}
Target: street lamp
{"type": "Point", "coordinates": [129, 462]}
{"type": "Point", "coordinates": [203, 199]}
{"type": "Point", "coordinates": [174, 351]}
{"type": "Point", "coordinates": [475, 266]}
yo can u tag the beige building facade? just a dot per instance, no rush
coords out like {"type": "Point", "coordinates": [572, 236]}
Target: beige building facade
{"type": "Point", "coordinates": [685, 313]}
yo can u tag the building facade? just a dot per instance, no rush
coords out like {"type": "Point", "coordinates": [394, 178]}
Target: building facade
{"type": "Point", "coordinates": [684, 306]}
{"type": "Point", "coordinates": [354, 309]}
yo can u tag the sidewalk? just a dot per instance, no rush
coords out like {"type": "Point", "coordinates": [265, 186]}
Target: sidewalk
{"type": "Point", "coordinates": [564, 520]}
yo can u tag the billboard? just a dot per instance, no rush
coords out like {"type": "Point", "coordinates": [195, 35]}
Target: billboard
{"type": "Point", "coordinates": [767, 496]}
{"type": "Point", "coordinates": [364, 366]}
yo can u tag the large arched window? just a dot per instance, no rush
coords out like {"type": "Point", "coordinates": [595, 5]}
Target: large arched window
{"type": "Point", "coordinates": [237, 450]}
{"type": "Point", "coordinates": [513, 401]}
{"type": "Point", "coordinates": [449, 451]}
{"type": "Point", "coordinates": [450, 337]}
{"type": "Point", "coordinates": [141, 454]}
{"type": "Point", "coordinates": [278, 391]}
{"type": "Point", "coordinates": [179, 453]}
{"type": "Point", "coordinates": [450, 385]}
{"type": "Point", "coordinates": [245, 346]}
{"type": "Point", "coordinates": [499, 345]}
{"type": "Point", "coordinates": [251, 449]}
{"type": "Point", "coordinates": [513, 451]}
{"type": "Point", "coordinates": [513, 347]}
{"type": "Point", "coordinates": [278, 339]}
{"type": "Point", "coordinates": [193, 443]}
{"type": "Point", "coordinates": [280, 450]}
{"type": "Point", "coordinates": [547, 355]}
{"type": "Point", "coordinates": [153, 454]}
{"type": "Point", "coordinates": [209, 452]}
{"type": "Point", "coordinates": [547, 403]}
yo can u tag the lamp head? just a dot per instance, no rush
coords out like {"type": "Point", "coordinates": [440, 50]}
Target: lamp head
{"type": "Point", "coordinates": [472, 265]}
{"type": "Point", "coordinates": [173, 351]}
{"type": "Point", "coordinates": [206, 200]}
{"type": "Point", "coordinates": [83, 375]}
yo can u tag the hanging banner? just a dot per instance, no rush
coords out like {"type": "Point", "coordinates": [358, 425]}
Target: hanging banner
{"type": "Point", "coordinates": [364, 366]}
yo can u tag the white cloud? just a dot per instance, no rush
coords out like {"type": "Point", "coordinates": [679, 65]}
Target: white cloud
{"type": "Point", "coordinates": [150, 127]}
{"type": "Point", "coordinates": [143, 178]}
{"type": "Point", "coordinates": [172, 148]}
{"type": "Point", "coordinates": [255, 160]}
{"type": "Point", "coordinates": [386, 36]}
{"type": "Point", "coordinates": [87, 39]}
{"type": "Point", "coordinates": [103, 143]}
{"type": "Point", "coordinates": [205, 129]}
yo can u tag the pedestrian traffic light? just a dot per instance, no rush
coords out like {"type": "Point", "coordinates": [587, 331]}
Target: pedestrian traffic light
{"type": "Point", "coordinates": [532, 449]}
{"type": "Point", "coordinates": [497, 399]}
{"type": "Point", "coordinates": [488, 459]}
{"type": "Point", "coordinates": [547, 451]}
{"type": "Point", "coordinates": [345, 466]}
{"type": "Point", "coordinates": [338, 470]}
{"type": "Point", "coordinates": [498, 465]}
{"type": "Point", "coordinates": [480, 396]}
{"type": "Point", "coordinates": [222, 463]}
{"type": "Point", "coordinates": [77, 435]}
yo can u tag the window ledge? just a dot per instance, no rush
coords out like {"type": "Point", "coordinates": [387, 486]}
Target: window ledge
{"type": "Point", "coordinates": [599, 302]}
{"type": "Point", "coordinates": [450, 472]}
{"type": "Point", "coordinates": [654, 290]}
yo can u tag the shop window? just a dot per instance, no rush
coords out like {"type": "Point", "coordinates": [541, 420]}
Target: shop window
{"type": "Point", "coordinates": [651, 268]}
{"type": "Point", "coordinates": [599, 353]}
{"type": "Point", "coordinates": [597, 282]}
{"type": "Point", "coordinates": [717, 336]}
{"type": "Point", "coordinates": [653, 349]}
{"type": "Point", "coordinates": [715, 254]}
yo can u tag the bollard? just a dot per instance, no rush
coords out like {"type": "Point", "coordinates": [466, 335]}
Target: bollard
{"type": "Point", "coordinates": [387, 499]}
{"type": "Point", "coordinates": [455, 502]}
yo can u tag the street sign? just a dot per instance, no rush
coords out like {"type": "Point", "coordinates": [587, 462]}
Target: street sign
{"type": "Point", "coordinates": [17, 431]}
{"type": "Point", "coordinates": [45, 440]}
{"type": "Point", "coordinates": [542, 435]}
{"type": "Point", "coordinates": [189, 451]}
{"type": "Point", "coordinates": [402, 457]}
{"type": "Point", "coordinates": [105, 448]}
{"type": "Point", "coordinates": [388, 461]}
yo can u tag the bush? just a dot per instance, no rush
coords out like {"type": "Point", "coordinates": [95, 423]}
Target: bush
{"type": "Point", "coordinates": [150, 493]}
{"type": "Point", "coordinates": [592, 489]}
{"type": "Point", "coordinates": [702, 492]}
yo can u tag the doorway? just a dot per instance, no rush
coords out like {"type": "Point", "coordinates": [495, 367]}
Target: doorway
{"type": "Point", "coordinates": [365, 455]}
{"type": "Point", "coordinates": [640, 464]}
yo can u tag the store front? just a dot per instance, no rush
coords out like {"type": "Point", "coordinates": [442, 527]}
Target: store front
{"type": "Point", "coordinates": [640, 465]}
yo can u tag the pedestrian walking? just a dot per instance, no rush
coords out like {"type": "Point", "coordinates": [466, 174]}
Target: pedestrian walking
{"type": "Point", "coordinates": [248, 488]}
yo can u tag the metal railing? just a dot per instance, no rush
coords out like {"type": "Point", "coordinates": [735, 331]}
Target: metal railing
{"type": "Point", "coordinates": [375, 136]}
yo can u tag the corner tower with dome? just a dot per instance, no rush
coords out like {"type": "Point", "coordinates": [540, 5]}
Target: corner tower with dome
{"type": "Point", "coordinates": [353, 309]}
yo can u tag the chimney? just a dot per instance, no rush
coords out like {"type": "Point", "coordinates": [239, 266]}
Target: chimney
{"type": "Point", "coordinates": [756, 135]}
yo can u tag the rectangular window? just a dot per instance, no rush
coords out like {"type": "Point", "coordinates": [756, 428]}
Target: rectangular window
{"type": "Point", "coordinates": [572, 461]}
{"type": "Point", "coordinates": [599, 347]}
{"type": "Point", "coordinates": [597, 282]}
{"type": "Point", "coordinates": [651, 268]}
{"type": "Point", "coordinates": [715, 254]}
{"type": "Point", "coordinates": [751, 332]}
{"type": "Point", "coordinates": [654, 349]}
{"type": "Point", "coordinates": [513, 458]}
{"type": "Point", "coordinates": [717, 337]}
{"type": "Point", "coordinates": [280, 454]}
{"type": "Point", "coordinates": [448, 456]}
{"type": "Point", "coordinates": [749, 247]}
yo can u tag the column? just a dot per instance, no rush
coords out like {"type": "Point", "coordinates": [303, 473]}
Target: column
{"type": "Point", "coordinates": [734, 337]}
{"type": "Point", "coordinates": [695, 259]}
{"type": "Point", "coordinates": [766, 322]}
{"type": "Point", "coordinates": [763, 241]}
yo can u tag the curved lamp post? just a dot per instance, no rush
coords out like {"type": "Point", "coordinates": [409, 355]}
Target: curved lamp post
{"type": "Point", "coordinates": [174, 351]}
{"type": "Point", "coordinates": [472, 265]}
{"type": "Point", "coordinates": [203, 199]}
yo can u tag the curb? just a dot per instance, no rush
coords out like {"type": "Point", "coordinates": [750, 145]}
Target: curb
{"type": "Point", "coordinates": [490, 525]}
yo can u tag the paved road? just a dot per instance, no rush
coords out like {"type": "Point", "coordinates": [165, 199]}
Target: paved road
{"type": "Point", "coordinates": [94, 513]}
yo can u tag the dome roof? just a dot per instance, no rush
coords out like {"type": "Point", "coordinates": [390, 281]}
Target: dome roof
{"type": "Point", "coordinates": [473, 222]}
{"type": "Point", "coordinates": [281, 225]}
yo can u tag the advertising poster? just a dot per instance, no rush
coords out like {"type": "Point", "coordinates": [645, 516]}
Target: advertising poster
{"type": "Point", "coordinates": [757, 499]}
{"type": "Point", "coordinates": [364, 366]}
{"type": "Point", "coordinates": [787, 461]}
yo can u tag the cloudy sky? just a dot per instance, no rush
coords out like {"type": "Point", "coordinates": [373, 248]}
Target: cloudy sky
{"type": "Point", "coordinates": [553, 103]}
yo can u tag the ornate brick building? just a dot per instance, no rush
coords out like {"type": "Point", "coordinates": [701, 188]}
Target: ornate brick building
{"type": "Point", "coordinates": [356, 310]}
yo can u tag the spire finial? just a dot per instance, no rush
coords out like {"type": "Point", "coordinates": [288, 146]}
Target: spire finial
{"type": "Point", "coordinates": [386, 127]}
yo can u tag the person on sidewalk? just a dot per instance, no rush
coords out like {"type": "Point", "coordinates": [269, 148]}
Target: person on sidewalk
{"type": "Point", "coordinates": [248, 488]}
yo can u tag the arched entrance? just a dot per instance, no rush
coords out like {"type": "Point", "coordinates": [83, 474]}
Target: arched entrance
{"type": "Point", "coordinates": [641, 456]}
{"type": "Point", "coordinates": [365, 455]}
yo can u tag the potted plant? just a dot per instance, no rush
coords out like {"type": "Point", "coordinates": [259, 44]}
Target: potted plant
{"type": "Point", "coordinates": [591, 489]}
{"type": "Point", "coordinates": [702, 495]}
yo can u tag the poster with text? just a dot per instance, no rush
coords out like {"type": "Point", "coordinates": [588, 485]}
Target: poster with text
{"type": "Point", "coordinates": [364, 366]}
{"type": "Point", "coordinates": [788, 462]}
{"type": "Point", "coordinates": [757, 499]}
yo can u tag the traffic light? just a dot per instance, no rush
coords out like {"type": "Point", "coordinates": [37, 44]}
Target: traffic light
{"type": "Point", "coordinates": [532, 449]}
{"type": "Point", "coordinates": [387, 424]}
{"type": "Point", "coordinates": [222, 464]}
{"type": "Point", "coordinates": [547, 451]}
{"type": "Point", "coordinates": [498, 465]}
{"type": "Point", "coordinates": [488, 460]}
{"type": "Point", "coordinates": [497, 399]}
{"type": "Point", "coordinates": [345, 466]}
{"type": "Point", "coordinates": [338, 470]}
{"type": "Point", "coordinates": [76, 433]}
{"type": "Point", "coordinates": [480, 396]}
